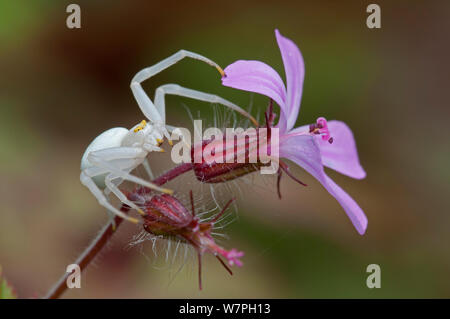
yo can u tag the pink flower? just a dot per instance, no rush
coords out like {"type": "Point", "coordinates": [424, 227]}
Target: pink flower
{"type": "Point", "coordinates": [312, 146]}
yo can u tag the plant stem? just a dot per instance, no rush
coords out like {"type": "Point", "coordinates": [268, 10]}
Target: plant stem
{"type": "Point", "coordinates": [108, 231]}
{"type": "Point", "coordinates": [88, 254]}
{"type": "Point", "coordinates": [171, 174]}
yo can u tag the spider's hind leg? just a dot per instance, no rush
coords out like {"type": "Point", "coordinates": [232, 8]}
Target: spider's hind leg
{"type": "Point", "coordinates": [121, 196]}
{"type": "Point", "coordinates": [86, 179]}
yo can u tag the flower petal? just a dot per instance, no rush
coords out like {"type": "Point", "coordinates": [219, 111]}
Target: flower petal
{"type": "Point", "coordinates": [304, 151]}
{"type": "Point", "coordinates": [294, 68]}
{"type": "Point", "coordinates": [255, 76]}
{"type": "Point", "coordinates": [341, 155]}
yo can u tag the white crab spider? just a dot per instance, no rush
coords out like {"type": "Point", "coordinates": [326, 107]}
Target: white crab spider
{"type": "Point", "coordinates": [112, 155]}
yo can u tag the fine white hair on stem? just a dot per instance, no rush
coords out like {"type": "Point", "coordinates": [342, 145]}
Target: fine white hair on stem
{"type": "Point", "coordinates": [176, 251]}
{"type": "Point", "coordinates": [183, 263]}
{"type": "Point", "coordinates": [225, 236]}
{"type": "Point", "coordinates": [226, 224]}
{"type": "Point", "coordinates": [169, 243]}
{"type": "Point", "coordinates": [191, 117]}
{"type": "Point", "coordinates": [213, 195]}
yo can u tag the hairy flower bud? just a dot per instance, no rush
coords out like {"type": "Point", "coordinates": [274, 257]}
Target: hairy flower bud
{"type": "Point", "coordinates": [239, 157]}
{"type": "Point", "coordinates": [166, 216]}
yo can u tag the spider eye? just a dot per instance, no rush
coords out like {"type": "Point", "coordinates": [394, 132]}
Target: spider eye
{"type": "Point", "coordinates": [140, 127]}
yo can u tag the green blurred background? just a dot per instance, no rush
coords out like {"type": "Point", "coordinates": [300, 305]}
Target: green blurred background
{"type": "Point", "coordinates": [59, 88]}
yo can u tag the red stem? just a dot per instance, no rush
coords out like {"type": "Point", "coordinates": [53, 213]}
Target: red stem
{"type": "Point", "coordinates": [108, 231]}
{"type": "Point", "coordinates": [199, 256]}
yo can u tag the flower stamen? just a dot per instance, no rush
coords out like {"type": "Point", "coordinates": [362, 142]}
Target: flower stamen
{"type": "Point", "coordinates": [321, 128]}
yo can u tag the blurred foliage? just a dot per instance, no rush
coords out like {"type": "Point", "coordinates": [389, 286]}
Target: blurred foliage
{"type": "Point", "coordinates": [316, 267]}
{"type": "Point", "coordinates": [6, 291]}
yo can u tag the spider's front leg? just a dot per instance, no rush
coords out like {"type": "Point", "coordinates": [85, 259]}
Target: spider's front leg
{"type": "Point", "coordinates": [86, 179]}
{"type": "Point", "coordinates": [148, 170]}
{"type": "Point", "coordinates": [146, 105]}
{"type": "Point", "coordinates": [109, 181]}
